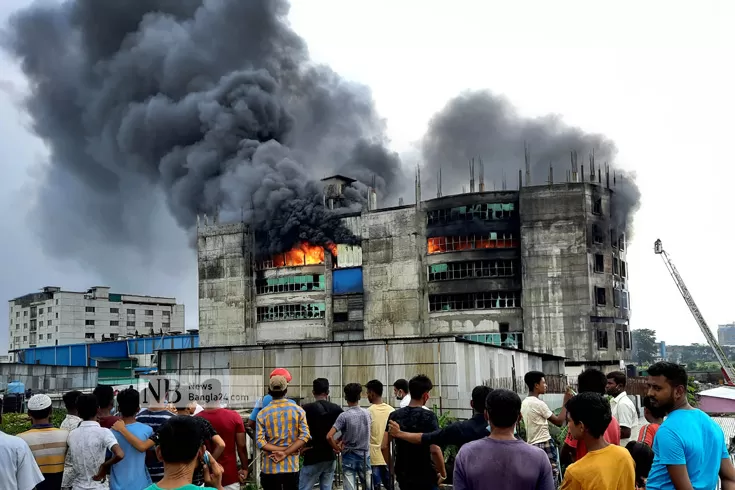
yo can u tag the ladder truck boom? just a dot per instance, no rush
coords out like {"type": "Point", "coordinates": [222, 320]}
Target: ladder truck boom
{"type": "Point", "coordinates": [727, 369]}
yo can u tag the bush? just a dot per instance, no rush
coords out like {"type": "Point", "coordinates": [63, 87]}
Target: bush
{"type": "Point", "coordinates": [15, 423]}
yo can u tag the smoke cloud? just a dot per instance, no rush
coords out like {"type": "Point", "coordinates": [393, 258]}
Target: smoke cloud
{"type": "Point", "coordinates": [208, 106]}
{"type": "Point", "coordinates": [480, 124]}
{"type": "Point", "coordinates": [156, 111]}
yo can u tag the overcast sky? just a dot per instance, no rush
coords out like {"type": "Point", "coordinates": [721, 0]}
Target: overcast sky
{"type": "Point", "coordinates": [656, 77]}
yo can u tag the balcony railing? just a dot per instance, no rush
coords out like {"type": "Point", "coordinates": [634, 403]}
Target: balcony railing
{"type": "Point", "coordinates": [512, 340]}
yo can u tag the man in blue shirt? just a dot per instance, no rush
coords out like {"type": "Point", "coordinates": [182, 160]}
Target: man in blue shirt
{"type": "Point", "coordinates": [689, 447]}
{"type": "Point", "coordinates": [263, 402]}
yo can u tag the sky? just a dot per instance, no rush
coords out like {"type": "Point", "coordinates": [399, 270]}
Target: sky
{"type": "Point", "coordinates": [656, 77]}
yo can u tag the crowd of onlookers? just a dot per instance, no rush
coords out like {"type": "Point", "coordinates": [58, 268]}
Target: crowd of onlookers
{"type": "Point", "coordinates": [164, 447]}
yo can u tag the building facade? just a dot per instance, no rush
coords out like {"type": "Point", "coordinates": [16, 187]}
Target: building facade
{"type": "Point", "coordinates": [56, 317]}
{"type": "Point", "coordinates": [726, 334]}
{"type": "Point", "coordinates": [538, 269]}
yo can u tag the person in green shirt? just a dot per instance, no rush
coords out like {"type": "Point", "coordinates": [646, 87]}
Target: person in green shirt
{"type": "Point", "coordinates": [181, 448]}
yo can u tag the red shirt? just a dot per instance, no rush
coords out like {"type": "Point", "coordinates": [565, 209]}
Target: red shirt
{"type": "Point", "coordinates": [647, 434]}
{"type": "Point", "coordinates": [611, 435]}
{"type": "Point", "coordinates": [228, 424]}
{"type": "Point", "coordinates": [107, 421]}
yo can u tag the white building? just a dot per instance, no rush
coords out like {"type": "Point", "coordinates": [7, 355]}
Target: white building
{"type": "Point", "coordinates": [56, 317]}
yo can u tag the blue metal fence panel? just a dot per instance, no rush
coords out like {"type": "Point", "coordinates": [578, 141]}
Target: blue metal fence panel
{"type": "Point", "coordinates": [79, 355]}
{"type": "Point", "coordinates": [347, 281]}
{"type": "Point", "coordinates": [109, 350]}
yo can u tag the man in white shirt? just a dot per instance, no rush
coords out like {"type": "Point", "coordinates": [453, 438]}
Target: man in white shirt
{"type": "Point", "coordinates": [88, 445]}
{"type": "Point", "coordinates": [622, 406]}
{"type": "Point", "coordinates": [400, 390]}
{"type": "Point", "coordinates": [19, 468]}
{"type": "Point", "coordinates": [536, 414]}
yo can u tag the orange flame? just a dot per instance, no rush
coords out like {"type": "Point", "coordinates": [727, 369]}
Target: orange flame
{"type": "Point", "coordinates": [303, 254]}
{"type": "Point", "coordinates": [456, 244]}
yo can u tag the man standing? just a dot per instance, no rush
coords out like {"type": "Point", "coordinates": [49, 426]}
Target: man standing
{"type": "Point", "coordinates": [622, 406]}
{"type": "Point", "coordinates": [154, 416]}
{"type": "Point", "coordinates": [72, 420]}
{"type": "Point", "coordinates": [499, 460]}
{"type": "Point", "coordinates": [379, 413]}
{"type": "Point", "coordinates": [606, 466]}
{"type": "Point", "coordinates": [458, 433]}
{"type": "Point", "coordinates": [689, 447]}
{"type": "Point", "coordinates": [537, 415]}
{"type": "Point", "coordinates": [354, 425]}
{"type": "Point", "coordinates": [88, 445]}
{"type": "Point", "coordinates": [47, 443]}
{"type": "Point", "coordinates": [106, 399]}
{"type": "Point", "coordinates": [263, 402]}
{"type": "Point", "coordinates": [400, 390]}
{"type": "Point", "coordinates": [230, 427]}
{"type": "Point", "coordinates": [416, 467]}
{"type": "Point", "coordinates": [281, 431]}
{"type": "Point", "coordinates": [319, 460]}
{"type": "Point", "coordinates": [130, 473]}
{"type": "Point", "coordinates": [19, 468]}
{"type": "Point", "coordinates": [590, 381]}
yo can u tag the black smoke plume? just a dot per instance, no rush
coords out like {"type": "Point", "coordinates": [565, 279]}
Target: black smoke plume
{"type": "Point", "coordinates": [211, 106]}
{"type": "Point", "coordinates": [480, 124]}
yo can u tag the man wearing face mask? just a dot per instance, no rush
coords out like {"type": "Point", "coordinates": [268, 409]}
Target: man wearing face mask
{"type": "Point", "coordinates": [689, 448]}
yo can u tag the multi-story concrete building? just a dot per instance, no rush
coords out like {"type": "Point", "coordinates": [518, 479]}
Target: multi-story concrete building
{"type": "Point", "coordinates": [538, 268]}
{"type": "Point", "coordinates": [726, 334]}
{"type": "Point", "coordinates": [56, 317]}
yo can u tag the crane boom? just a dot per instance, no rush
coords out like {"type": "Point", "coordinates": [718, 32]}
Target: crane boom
{"type": "Point", "coordinates": [727, 369]}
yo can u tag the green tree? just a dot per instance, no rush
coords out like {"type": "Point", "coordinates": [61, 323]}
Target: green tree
{"type": "Point", "coordinates": [645, 346]}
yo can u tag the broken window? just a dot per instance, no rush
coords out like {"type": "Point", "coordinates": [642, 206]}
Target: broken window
{"type": "Point", "coordinates": [613, 239]}
{"type": "Point", "coordinates": [341, 317]}
{"type": "Point", "coordinates": [600, 296]}
{"type": "Point", "coordinates": [597, 235]}
{"type": "Point", "coordinates": [482, 211]}
{"type": "Point", "coordinates": [290, 312]}
{"type": "Point", "coordinates": [616, 266]}
{"type": "Point", "coordinates": [621, 241]}
{"type": "Point", "coordinates": [470, 242]}
{"type": "Point", "coordinates": [599, 263]}
{"type": "Point", "coordinates": [597, 206]}
{"type": "Point", "coordinates": [309, 282]}
{"type": "Point", "coordinates": [618, 340]}
{"type": "Point", "coordinates": [474, 301]}
{"type": "Point", "coordinates": [627, 341]}
{"type": "Point", "coordinates": [623, 269]}
{"type": "Point", "coordinates": [602, 339]}
{"type": "Point", "coordinates": [472, 269]}
{"type": "Point", "coordinates": [616, 298]}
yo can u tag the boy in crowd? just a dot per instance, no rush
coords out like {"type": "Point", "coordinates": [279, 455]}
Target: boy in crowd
{"type": "Point", "coordinates": [417, 467]}
{"type": "Point", "coordinates": [354, 444]}
{"type": "Point", "coordinates": [499, 460]}
{"type": "Point", "coordinates": [154, 415]}
{"type": "Point", "coordinates": [106, 400]}
{"type": "Point", "coordinates": [379, 413]}
{"type": "Point", "coordinates": [537, 416]}
{"type": "Point", "coordinates": [88, 445]}
{"type": "Point", "coordinates": [655, 417]}
{"type": "Point", "coordinates": [319, 458]}
{"type": "Point", "coordinates": [605, 466]}
{"type": "Point", "coordinates": [72, 420]}
{"type": "Point", "coordinates": [130, 473]}
{"type": "Point", "coordinates": [47, 443]}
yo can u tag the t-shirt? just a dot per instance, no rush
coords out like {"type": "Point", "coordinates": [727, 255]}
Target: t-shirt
{"type": "Point", "coordinates": [692, 438]}
{"type": "Point", "coordinates": [185, 487]}
{"type": "Point", "coordinates": [609, 468]}
{"type": "Point", "coordinates": [623, 409]}
{"type": "Point", "coordinates": [88, 445]}
{"type": "Point", "coordinates": [154, 419]}
{"type": "Point", "coordinates": [405, 401]}
{"type": "Point", "coordinates": [536, 415]}
{"type": "Point", "coordinates": [502, 465]}
{"type": "Point", "coordinates": [354, 424]}
{"type": "Point", "coordinates": [131, 473]}
{"type": "Point", "coordinates": [48, 445]}
{"type": "Point", "coordinates": [320, 417]}
{"type": "Point", "coordinates": [458, 433]}
{"type": "Point", "coordinates": [379, 415]}
{"type": "Point", "coordinates": [108, 421]}
{"type": "Point", "coordinates": [260, 405]}
{"type": "Point", "coordinates": [611, 435]}
{"type": "Point", "coordinates": [413, 466]}
{"type": "Point", "coordinates": [647, 434]}
{"type": "Point", "coordinates": [19, 468]}
{"type": "Point", "coordinates": [228, 424]}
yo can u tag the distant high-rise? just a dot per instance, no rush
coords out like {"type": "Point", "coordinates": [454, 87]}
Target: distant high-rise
{"type": "Point", "coordinates": [726, 334]}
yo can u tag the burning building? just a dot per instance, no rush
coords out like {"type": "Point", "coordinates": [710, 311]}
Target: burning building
{"type": "Point", "coordinates": [540, 268]}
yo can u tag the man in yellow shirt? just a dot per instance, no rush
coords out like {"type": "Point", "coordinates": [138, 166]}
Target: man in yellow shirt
{"type": "Point", "coordinates": [605, 466]}
{"type": "Point", "coordinates": [379, 412]}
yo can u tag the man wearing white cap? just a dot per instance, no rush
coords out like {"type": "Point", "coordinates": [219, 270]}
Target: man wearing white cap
{"type": "Point", "coordinates": [47, 443]}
